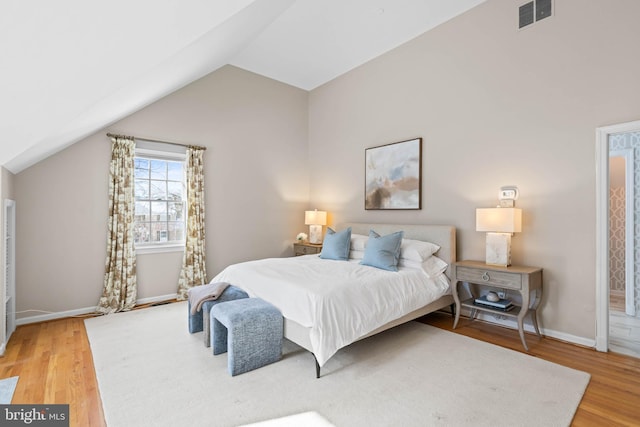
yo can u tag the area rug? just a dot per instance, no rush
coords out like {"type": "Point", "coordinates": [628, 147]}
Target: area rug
{"type": "Point", "coordinates": [152, 372]}
{"type": "Point", "coordinates": [7, 388]}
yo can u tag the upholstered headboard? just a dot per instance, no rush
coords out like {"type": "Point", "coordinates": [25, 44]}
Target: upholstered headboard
{"type": "Point", "coordinates": [442, 235]}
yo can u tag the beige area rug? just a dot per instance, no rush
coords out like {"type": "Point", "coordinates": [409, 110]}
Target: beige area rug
{"type": "Point", "coordinates": [152, 372]}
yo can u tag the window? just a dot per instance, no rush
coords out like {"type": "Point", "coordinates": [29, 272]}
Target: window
{"type": "Point", "coordinates": [160, 195]}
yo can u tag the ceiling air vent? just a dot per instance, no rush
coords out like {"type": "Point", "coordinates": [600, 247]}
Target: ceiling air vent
{"type": "Point", "coordinates": [534, 11]}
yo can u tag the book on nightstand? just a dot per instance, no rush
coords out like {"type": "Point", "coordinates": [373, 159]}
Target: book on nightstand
{"type": "Point", "coordinates": [501, 304]}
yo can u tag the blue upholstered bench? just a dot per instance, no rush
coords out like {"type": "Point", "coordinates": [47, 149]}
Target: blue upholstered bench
{"type": "Point", "coordinates": [200, 321]}
{"type": "Point", "coordinates": [250, 329]}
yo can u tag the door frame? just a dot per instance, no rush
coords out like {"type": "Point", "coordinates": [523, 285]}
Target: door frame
{"type": "Point", "coordinates": [602, 227]}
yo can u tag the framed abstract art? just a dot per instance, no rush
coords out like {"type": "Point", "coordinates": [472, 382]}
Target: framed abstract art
{"type": "Point", "coordinates": [393, 176]}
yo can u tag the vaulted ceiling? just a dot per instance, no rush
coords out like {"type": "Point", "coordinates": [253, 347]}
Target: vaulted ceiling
{"type": "Point", "coordinates": [71, 67]}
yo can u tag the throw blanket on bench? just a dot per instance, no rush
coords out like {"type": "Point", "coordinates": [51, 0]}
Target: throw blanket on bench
{"type": "Point", "coordinates": [198, 295]}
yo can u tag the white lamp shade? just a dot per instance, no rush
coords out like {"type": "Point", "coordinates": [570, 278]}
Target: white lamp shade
{"type": "Point", "coordinates": [500, 220]}
{"type": "Point", "coordinates": [315, 217]}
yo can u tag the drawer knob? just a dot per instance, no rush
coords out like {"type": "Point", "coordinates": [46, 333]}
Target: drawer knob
{"type": "Point", "coordinates": [485, 276]}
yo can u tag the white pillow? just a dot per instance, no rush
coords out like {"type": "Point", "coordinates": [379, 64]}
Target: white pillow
{"type": "Point", "coordinates": [358, 242]}
{"type": "Point", "coordinates": [356, 254]}
{"type": "Point", "coordinates": [417, 250]}
{"type": "Point", "coordinates": [433, 266]}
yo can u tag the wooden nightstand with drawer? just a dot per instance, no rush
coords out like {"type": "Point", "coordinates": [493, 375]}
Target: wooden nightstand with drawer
{"type": "Point", "coordinates": [523, 280]}
{"type": "Point", "coordinates": [306, 249]}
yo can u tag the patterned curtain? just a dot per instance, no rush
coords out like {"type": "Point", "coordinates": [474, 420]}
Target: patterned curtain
{"type": "Point", "coordinates": [120, 289]}
{"type": "Point", "coordinates": [194, 271]}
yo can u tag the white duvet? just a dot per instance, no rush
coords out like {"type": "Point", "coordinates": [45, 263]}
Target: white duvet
{"type": "Point", "coordinates": [340, 301]}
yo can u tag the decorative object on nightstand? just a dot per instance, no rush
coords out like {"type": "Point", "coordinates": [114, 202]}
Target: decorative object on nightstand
{"type": "Point", "coordinates": [315, 220]}
{"type": "Point", "coordinates": [526, 281]}
{"type": "Point", "coordinates": [492, 300]}
{"type": "Point", "coordinates": [302, 237]}
{"type": "Point", "coordinates": [305, 248]}
{"type": "Point", "coordinates": [500, 223]}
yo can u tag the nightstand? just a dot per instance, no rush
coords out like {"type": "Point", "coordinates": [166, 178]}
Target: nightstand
{"type": "Point", "coordinates": [523, 280]}
{"type": "Point", "coordinates": [306, 248]}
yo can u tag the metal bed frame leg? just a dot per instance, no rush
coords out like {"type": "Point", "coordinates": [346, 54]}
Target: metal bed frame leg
{"type": "Point", "coordinates": [317, 366]}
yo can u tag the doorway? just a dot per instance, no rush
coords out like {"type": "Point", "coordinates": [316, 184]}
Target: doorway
{"type": "Point", "coordinates": [618, 162]}
{"type": "Point", "coordinates": [621, 227]}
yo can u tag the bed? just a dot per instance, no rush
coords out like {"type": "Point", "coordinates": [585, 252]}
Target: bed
{"type": "Point", "coordinates": [329, 304]}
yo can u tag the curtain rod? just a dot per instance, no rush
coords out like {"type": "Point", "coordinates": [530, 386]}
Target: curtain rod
{"type": "Point", "coordinates": [113, 135]}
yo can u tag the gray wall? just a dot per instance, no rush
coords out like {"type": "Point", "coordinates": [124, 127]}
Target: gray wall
{"type": "Point", "coordinates": [495, 107]}
{"type": "Point", "coordinates": [256, 189]}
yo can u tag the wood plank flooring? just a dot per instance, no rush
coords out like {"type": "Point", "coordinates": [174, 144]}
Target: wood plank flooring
{"type": "Point", "coordinates": [54, 362]}
{"type": "Point", "coordinates": [55, 365]}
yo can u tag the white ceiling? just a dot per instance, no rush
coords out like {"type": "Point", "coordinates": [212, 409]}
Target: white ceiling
{"type": "Point", "coordinates": [71, 67]}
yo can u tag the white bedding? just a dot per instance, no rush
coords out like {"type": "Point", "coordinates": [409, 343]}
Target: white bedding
{"type": "Point", "coordinates": [340, 301]}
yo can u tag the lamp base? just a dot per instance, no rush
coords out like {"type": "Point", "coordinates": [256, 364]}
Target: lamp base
{"type": "Point", "coordinates": [498, 249]}
{"type": "Point", "coordinates": [315, 234]}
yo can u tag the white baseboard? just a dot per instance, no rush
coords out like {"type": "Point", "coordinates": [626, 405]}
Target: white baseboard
{"type": "Point", "coordinates": [574, 339]}
{"type": "Point", "coordinates": [160, 298]}
{"type": "Point", "coordinates": [54, 315]}
{"type": "Point", "coordinates": [507, 322]}
{"type": "Point", "coordinates": [511, 323]}
{"type": "Point", "coordinates": [82, 311]}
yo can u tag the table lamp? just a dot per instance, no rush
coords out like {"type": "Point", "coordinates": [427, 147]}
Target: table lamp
{"type": "Point", "coordinates": [315, 220]}
{"type": "Point", "coordinates": [500, 224]}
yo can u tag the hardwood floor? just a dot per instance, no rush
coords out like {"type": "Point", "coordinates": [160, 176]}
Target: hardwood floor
{"type": "Point", "coordinates": [55, 365]}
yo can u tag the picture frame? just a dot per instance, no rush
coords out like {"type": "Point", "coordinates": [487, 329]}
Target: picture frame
{"type": "Point", "coordinates": [393, 176]}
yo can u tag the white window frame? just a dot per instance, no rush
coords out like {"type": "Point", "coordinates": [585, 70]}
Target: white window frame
{"type": "Point", "coordinates": [151, 150]}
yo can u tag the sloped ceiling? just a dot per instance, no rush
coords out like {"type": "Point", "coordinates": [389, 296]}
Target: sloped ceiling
{"type": "Point", "coordinates": [71, 67]}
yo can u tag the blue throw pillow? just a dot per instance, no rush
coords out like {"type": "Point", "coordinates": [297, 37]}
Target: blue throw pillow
{"type": "Point", "coordinates": [336, 245]}
{"type": "Point", "coordinates": [383, 251]}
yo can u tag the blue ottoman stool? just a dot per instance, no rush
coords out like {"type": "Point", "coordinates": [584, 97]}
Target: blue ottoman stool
{"type": "Point", "coordinates": [200, 320]}
{"type": "Point", "coordinates": [251, 330]}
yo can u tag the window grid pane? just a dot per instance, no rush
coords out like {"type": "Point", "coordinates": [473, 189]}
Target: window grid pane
{"type": "Point", "coordinates": [158, 169]}
{"type": "Point", "coordinates": [158, 190]}
{"type": "Point", "coordinates": [160, 207]}
{"type": "Point", "coordinates": [141, 168]}
{"type": "Point", "coordinates": [175, 171]}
